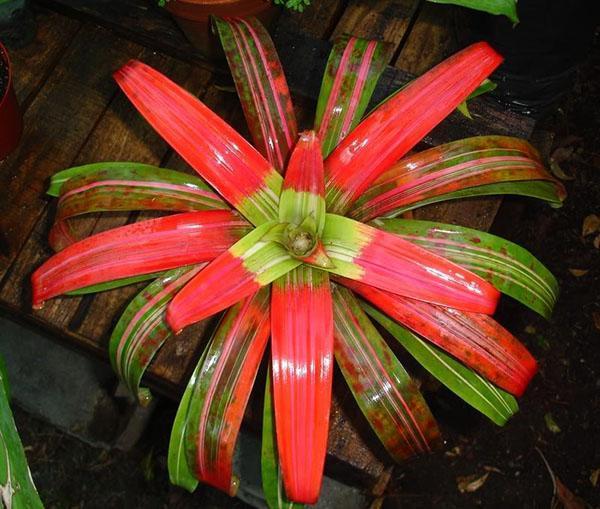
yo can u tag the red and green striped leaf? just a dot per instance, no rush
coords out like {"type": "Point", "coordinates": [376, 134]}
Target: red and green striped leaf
{"type": "Point", "coordinates": [510, 268]}
{"type": "Point", "coordinates": [303, 192]}
{"type": "Point", "coordinates": [302, 367]}
{"type": "Point", "coordinates": [237, 273]}
{"type": "Point", "coordinates": [222, 388]}
{"type": "Point", "coordinates": [476, 340]}
{"type": "Point", "coordinates": [478, 392]}
{"type": "Point", "coordinates": [465, 165]}
{"type": "Point", "coordinates": [116, 186]}
{"type": "Point", "coordinates": [261, 86]}
{"type": "Point", "coordinates": [386, 394]}
{"type": "Point", "coordinates": [211, 146]}
{"type": "Point", "coordinates": [353, 69]}
{"type": "Point", "coordinates": [142, 329]}
{"type": "Point", "coordinates": [386, 261]}
{"type": "Point", "coordinates": [140, 248]}
{"type": "Point", "coordinates": [398, 124]}
{"type": "Point", "coordinates": [272, 482]}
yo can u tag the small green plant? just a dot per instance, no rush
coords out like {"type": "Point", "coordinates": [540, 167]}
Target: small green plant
{"type": "Point", "coordinates": [295, 5]}
{"type": "Point", "coordinates": [300, 242]}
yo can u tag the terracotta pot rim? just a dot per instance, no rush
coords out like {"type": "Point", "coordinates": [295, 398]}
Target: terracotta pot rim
{"type": "Point", "coordinates": [4, 56]}
{"type": "Point", "coordinates": [211, 3]}
{"type": "Point", "coordinates": [201, 10]}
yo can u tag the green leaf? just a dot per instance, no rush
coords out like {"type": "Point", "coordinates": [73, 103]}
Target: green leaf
{"type": "Point", "coordinates": [387, 396]}
{"type": "Point", "coordinates": [485, 87]}
{"type": "Point", "coordinates": [222, 388]}
{"type": "Point", "coordinates": [272, 480]}
{"type": "Point", "coordinates": [17, 490]}
{"type": "Point", "coordinates": [491, 401]}
{"type": "Point", "coordinates": [352, 72]}
{"type": "Point", "coordinates": [507, 8]}
{"type": "Point", "coordinates": [117, 283]}
{"type": "Point", "coordinates": [261, 86]}
{"type": "Point", "coordinates": [142, 329]}
{"type": "Point", "coordinates": [510, 268]}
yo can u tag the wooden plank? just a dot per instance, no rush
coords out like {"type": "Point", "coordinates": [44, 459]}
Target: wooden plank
{"type": "Point", "coordinates": [431, 39]}
{"type": "Point", "coordinates": [74, 99]}
{"type": "Point", "coordinates": [386, 20]}
{"type": "Point", "coordinates": [34, 62]}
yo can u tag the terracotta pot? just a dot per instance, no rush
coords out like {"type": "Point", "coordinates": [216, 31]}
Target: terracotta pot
{"type": "Point", "coordinates": [193, 17]}
{"type": "Point", "coordinates": [11, 122]}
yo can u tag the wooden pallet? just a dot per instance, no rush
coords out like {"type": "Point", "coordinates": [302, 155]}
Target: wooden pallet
{"type": "Point", "coordinates": [74, 114]}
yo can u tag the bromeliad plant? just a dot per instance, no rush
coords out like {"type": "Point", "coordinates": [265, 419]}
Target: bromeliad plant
{"type": "Point", "coordinates": [315, 225]}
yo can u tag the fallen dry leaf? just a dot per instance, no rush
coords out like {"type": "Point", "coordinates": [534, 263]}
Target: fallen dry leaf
{"type": "Point", "coordinates": [489, 468]}
{"type": "Point", "coordinates": [562, 497]}
{"type": "Point", "coordinates": [530, 329]}
{"type": "Point", "coordinates": [591, 224]}
{"type": "Point", "coordinates": [597, 242]}
{"type": "Point", "coordinates": [452, 453]}
{"type": "Point", "coordinates": [579, 272]}
{"type": "Point", "coordinates": [471, 483]}
{"type": "Point", "coordinates": [551, 423]}
{"type": "Point", "coordinates": [594, 477]}
{"type": "Point", "coordinates": [596, 318]}
{"type": "Point", "coordinates": [560, 155]}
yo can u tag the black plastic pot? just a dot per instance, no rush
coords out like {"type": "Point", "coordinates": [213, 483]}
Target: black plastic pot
{"type": "Point", "coordinates": [541, 52]}
{"type": "Point", "coordinates": [11, 121]}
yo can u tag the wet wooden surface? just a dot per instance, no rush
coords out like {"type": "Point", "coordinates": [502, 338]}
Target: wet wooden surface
{"type": "Point", "coordinates": [74, 114]}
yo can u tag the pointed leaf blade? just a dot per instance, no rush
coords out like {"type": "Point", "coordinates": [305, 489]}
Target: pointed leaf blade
{"type": "Point", "coordinates": [494, 403]}
{"type": "Point", "coordinates": [474, 339]}
{"type": "Point", "coordinates": [385, 261]}
{"type": "Point", "coordinates": [353, 69]}
{"type": "Point", "coordinates": [142, 329]}
{"type": "Point", "coordinates": [303, 193]}
{"type": "Point", "coordinates": [16, 485]}
{"type": "Point", "coordinates": [223, 388]}
{"type": "Point", "coordinates": [261, 86]}
{"type": "Point", "coordinates": [237, 273]}
{"type": "Point", "coordinates": [400, 123]}
{"type": "Point", "coordinates": [510, 268]}
{"type": "Point", "coordinates": [140, 248]}
{"type": "Point", "coordinates": [302, 364]}
{"type": "Point", "coordinates": [461, 166]}
{"type": "Point", "coordinates": [386, 394]}
{"type": "Point", "coordinates": [211, 146]}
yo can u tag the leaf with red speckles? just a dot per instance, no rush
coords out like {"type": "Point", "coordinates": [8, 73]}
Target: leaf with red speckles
{"type": "Point", "coordinates": [140, 248]}
{"type": "Point", "coordinates": [211, 146]}
{"type": "Point", "coordinates": [353, 69]}
{"type": "Point", "coordinates": [302, 367]}
{"type": "Point", "coordinates": [476, 340]}
{"type": "Point", "coordinates": [124, 186]}
{"type": "Point", "coordinates": [398, 124]}
{"type": "Point", "coordinates": [386, 394]}
{"type": "Point", "coordinates": [261, 87]}
{"type": "Point", "coordinates": [221, 389]}
{"type": "Point", "coordinates": [272, 482]}
{"type": "Point", "coordinates": [237, 273]}
{"type": "Point", "coordinates": [478, 392]}
{"type": "Point", "coordinates": [386, 261]}
{"type": "Point", "coordinates": [510, 268]}
{"type": "Point", "coordinates": [470, 166]}
{"type": "Point", "coordinates": [142, 329]}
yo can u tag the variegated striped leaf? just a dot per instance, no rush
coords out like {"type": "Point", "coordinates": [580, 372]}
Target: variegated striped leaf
{"type": "Point", "coordinates": [491, 401]}
{"type": "Point", "coordinates": [261, 87]}
{"type": "Point", "coordinates": [510, 268]}
{"type": "Point", "coordinates": [136, 249]}
{"type": "Point", "coordinates": [222, 388]}
{"type": "Point", "coordinates": [386, 394]}
{"type": "Point", "coordinates": [212, 147]}
{"type": "Point", "coordinates": [142, 329]}
{"type": "Point", "coordinates": [466, 166]}
{"type": "Point", "coordinates": [352, 72]}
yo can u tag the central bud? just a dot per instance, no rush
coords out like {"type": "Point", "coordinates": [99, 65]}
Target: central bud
{"type": "Point", "coordinates": [299, 240]}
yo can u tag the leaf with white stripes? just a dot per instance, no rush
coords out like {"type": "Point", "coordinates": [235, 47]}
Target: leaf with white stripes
{"type": "Point", "coordinates": [491, 401]}
{"type": "Point", "coordinates": [142, 329]}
